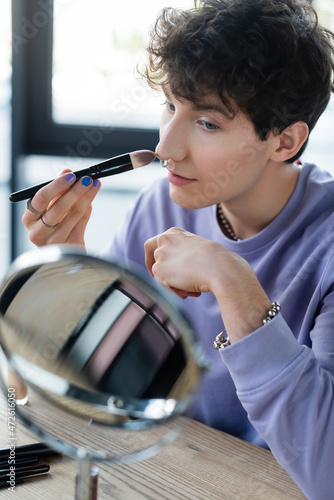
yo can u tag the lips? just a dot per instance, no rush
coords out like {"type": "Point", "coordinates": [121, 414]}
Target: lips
{"type": "Point", "coordinates": [178, 180]}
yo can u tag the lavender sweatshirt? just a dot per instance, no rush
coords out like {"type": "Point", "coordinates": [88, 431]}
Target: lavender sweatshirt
{"type": "Point", "coordinates": [275, 387]}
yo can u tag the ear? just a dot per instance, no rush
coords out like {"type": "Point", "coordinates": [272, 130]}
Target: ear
{"type": "Point", "coordinates": [290, 141]}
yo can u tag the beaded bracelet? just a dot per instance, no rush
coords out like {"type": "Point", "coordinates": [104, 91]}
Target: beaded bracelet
{"type": "Point", "coordinates": [221, 341]}
{"type": "Point", "coordinates": [275, 309]}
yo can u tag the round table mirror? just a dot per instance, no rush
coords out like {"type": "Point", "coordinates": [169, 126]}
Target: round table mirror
{"type": "Point", "coordinates": [98, 345]}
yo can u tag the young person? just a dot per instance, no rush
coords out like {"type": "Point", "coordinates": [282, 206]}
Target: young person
{"type": "Point", "coordinates": [239, 223]}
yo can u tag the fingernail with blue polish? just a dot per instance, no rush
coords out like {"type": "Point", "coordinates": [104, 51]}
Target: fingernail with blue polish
{"type": "Point", "coordinates": [69, 177]}
{"type": "Point", "coordinates": [86, 181]}
{"type": "Point", "coordinates": [96, 183]}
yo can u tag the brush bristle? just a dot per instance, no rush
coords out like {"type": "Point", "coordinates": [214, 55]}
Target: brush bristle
{"type": "Point", "coordinates": [142, 157]}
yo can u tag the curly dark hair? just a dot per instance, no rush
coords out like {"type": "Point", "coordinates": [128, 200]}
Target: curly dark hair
{"type": "Point", "coordinates": [269, 58]}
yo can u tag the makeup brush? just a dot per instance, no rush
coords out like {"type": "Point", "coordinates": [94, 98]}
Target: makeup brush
{"type": "Point", "coordinates": [29, 450]}
{"type": "Point", "coordinates": [113, 166]}
{"type": "Point", "coordinates": [10, 484]}
{"type": "Point", "coordinates": [19, 472]}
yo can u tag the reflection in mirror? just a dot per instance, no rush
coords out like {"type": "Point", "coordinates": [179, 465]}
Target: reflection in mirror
{"type": "Point", "coordinates": [95, 340]}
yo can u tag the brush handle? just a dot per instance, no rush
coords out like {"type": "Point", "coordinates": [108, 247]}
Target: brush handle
{"type": "Point", "coordinates": [25, 472]}
{"type": "Point", "coordinates": [28, 450]}
{"type": "Point", "coordinates": [8, 484]}
{"type": "Point", "coordinates": [106, 168]}
{"type": "Point", "coordinates": [18, 462]}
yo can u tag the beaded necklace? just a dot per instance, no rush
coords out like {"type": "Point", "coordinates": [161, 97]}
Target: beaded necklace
{"type": "Point", "coordinates": [225, 223]}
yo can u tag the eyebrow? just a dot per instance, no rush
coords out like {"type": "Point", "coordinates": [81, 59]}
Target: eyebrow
{"type": "Point", "coordinates": [221, 109]}
{"type": "Point", "coordinates": [215, 107]}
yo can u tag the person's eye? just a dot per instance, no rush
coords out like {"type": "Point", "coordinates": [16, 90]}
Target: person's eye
{"type": "Point", "coordinates": [169, 106]}
{"type": "Point", "coordinates": [208, 125]}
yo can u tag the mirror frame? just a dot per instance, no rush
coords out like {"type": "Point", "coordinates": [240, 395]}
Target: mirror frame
{"type": "Point", "coordinates": [142, 411]}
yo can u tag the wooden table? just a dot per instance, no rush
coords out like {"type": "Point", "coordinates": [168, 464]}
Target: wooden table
{"type": "Point", "coordinates": [201, 464]}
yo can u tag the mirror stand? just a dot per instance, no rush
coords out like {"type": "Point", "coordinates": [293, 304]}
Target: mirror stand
{"type": "Point", "coordinates": [87, 476]}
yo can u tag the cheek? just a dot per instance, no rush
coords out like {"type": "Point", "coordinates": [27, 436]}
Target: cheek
{"type": "Point", "coordinates": [251, 150]}
{"type": "Point", "coordinates": [234, 156]}
{"type": "Point", "coordinates": [218, 161]}
{"type": "Point", "coordinates": [223, 167]}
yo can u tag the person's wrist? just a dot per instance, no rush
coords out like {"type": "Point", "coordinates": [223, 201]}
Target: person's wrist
{"type": "Point", "coordinates": [223, 340]}
{"type": "Point", "coordinates": [243, 306]}
{"type": "Point", "coordinates": [242, 300]}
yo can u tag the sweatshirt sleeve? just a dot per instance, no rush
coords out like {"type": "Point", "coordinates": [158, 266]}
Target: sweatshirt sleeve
{"type": "Point", "coordinates": [288, 396]}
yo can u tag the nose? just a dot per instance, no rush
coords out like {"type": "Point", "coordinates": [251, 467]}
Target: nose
{"type": "Point", "coordinates": [172, 144]}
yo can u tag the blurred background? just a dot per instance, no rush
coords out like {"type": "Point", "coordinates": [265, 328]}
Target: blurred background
{"type": "Point", "coordinates": [70, 96]}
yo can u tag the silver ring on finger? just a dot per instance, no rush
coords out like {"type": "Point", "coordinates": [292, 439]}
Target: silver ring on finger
{"type": "Point", "coordinates": [50, 226]}
{"type": "Point", "coordinates": [33, 210]}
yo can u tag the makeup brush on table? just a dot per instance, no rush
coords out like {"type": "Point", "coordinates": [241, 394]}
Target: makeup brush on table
{"type": "Point", "coordinates": [27, 451]}
{"type": "Point", "coordinates": [20, 462]}
{"type": "Point", "coordinates": [113, 166]}
{"type": "Point", "coordinates": [23, 471]}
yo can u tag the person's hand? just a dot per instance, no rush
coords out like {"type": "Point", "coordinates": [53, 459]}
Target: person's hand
{"type": "Point", "coordinates": [60, 211]}
{"type": "Point", "coordinates": [190, 265]}
{"type": "Point", "coordinates": [181, 261]}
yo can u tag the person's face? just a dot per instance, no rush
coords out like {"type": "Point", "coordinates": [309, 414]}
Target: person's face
{"type": "Point", "coordinates": [211, 158]}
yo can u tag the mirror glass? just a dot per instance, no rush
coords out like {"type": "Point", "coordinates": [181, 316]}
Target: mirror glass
{"type": "Point", "coordinates": [97, 344]}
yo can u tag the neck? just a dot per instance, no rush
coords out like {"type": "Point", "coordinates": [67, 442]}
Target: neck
{"type": "Point", "coordinates": [251, 212]}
